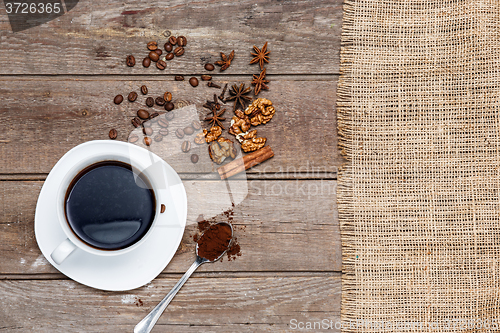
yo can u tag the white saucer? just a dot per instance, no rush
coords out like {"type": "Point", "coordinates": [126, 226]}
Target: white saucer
{"type": "Point", "coordinates": [125, 271]}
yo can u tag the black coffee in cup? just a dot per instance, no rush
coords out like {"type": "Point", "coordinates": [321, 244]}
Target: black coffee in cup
{"type": "Point", "coordinates": [109, 206]}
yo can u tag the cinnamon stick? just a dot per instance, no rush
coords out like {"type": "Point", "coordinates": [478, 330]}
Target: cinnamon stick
{"type": "Point", "coordinates": [246, 162]}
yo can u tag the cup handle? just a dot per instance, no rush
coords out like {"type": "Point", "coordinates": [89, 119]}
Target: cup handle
{"type": "Point", "coordinates": [62, 251]}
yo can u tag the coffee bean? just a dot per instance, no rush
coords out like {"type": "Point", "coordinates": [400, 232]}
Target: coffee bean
{"type": "Point", "coordinates": [193, 81]}
{"type": "Point", "coordinates": [179, 51]}
{"type": "Point", "coordinates": [162, 208]}
{"type": "Point", "coordinates": [163, 123]}
{"type": "Point", "coordinates": [167, 96]}
{"type": "Point", "coordinates": [146, 123]}
{"type": "Point", "coordinates": [144, 90]}
{"type": "Point", "coordinates": [186, 146]}
{"type": "Point", "coordinates": [169, 106]}
{"type": "Point", "coordinates": [169, 116]}
{"type": "Point", "coordinates": [179, 78]}
{"type": "Point", "coordinates": [188, 130]}
{"type": "Point", "coordinates": [209, 67]}
{"type": "Point", "coordinates": [172, 40]}
{"type": "Point", "coordinates": [160, 101]}
{"type": "Point", "coordinates": [133, 138]}
{"type": "Point", "coordinates": [143, 114]}
{"type": "Point", "coordinates": [206, 77]}
{"type": "Point", "coordinates": [150, 101]}
{"type": "Point", "coordinates": [146, 62]}
{"type": "Point", "coordinates": [118, 99]}
{"type": "Point", "coordinates": [154, 56]}
{"type": "Point", "coordinates": [147, 130]}
{"type": "Point", "coordinates": [130, 61]}
{"type": "Point", "coordinates": [158, 137]}
{"type": "Point", "coordinates": [196, 125]}
{"type": "Point", "coordinates": [153, 117]}
{"type": "Point", "coordinates": [159, 52]}
{"type": "Point", "coordinates": [161, 64]}
{"type": "Point", "coordinates": [163, 131]}
{"type": "Point", "coordinates": [132, 96]}
{"type": "Point", "coordinates": [168, 47]}
{"type": "Point", "coordinates": [136, 122]}
{"type": "Point", "coordinates": [181, 41]}
{"type": "Point", "coordinates": [113, 134]}
{"type": "Point", "coordinates": [147, 141]}
{"type": "Point", "coordinates": [152, 46]}
{"type": "Point", "coordinates": [194, 158]}
{"type": "Point", "coordinates": [169, 56]}
{"type": "Point", "coordinates": [180, 133]}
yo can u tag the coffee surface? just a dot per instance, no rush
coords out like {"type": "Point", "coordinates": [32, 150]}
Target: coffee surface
{"type": "Point", "coordinates": [108, 206]}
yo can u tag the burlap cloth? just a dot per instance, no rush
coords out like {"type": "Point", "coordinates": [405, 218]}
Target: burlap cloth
{"type": "Point", "coordinates": [419, 204]}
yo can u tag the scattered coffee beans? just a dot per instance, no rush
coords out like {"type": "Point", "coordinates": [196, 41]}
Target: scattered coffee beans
{"type": "Point", "coordinates": [153, 117]}
{"type": "Point", "coordinates": [169, 116]}
{"type": "Point", "coordinates": [186, 146]}
{"type": "Point", "coordinates": [172, 40]}
{"type": "Point", "coordinates": [146, 62]}
{"type": "Point", "coordinates": [136, 122]}
{"type": "Point", "coordinates": [168, 47]}
{"type": "Point", "coordinates": [132, 96]}
{"type": "Point", "coordinates": [130, 61]}
{"type": "Point", "coordinates": [147, 141]}
{"type": "Point", "coordinates": [169, 56]}
{"type": "Point", "coordinates": [144, 90]}
{"type": "Point", "coordinates": [179, 51]}
{"type": "Point", "coordinates": [167, 96]}
{"type": "Point", "coordinates": [196, 125]}
{"type": "Point", "coordinates": [194, 158]}
{"type": "Point", "coordinates": [179, 78]}
{"type": "Point", "coordinates": [154, 56]}
{"type": "Point", "coordinates": [163, 123]}
{"type": "Point", "coordinates": [158, 137]}
{"type": "Point", "coordinates": [188, 130]}
{"type": "Point", "coordinates": [193, 81]}
{"type": "Point", "coordinates": [181, 41]}
{"type": "Point", "coordinates": [206, 77]}
{"type": "Point", "coordinates": [147, 130]}
{"type": "Point", "coordinates": [152, 46]}
{"type": "Point", "coordinates": [162, 208]}
{"type": "Point", "coordinates": [163, 131]}
{"type": "Point", "coordinates": [118, 99]}
{"type": "Point", "coordinates": [159, 101]}
{"type": "Point", "coordinates": [180, 133]}
{"type": "Point", "coordinates": [150, 101]}
{"type": "Point", "coordinates": [169, 106]}
{"type": "Point", "coordinates": [113, 134]}
{"type": "Point", "coordinates": [158, 52]}
{"type": "Point", "coordinates": [209, 67]}
{"type": "Point", "coordinates": [133, 138]}
{"type": "Point", "coordinates": [143, 114]}
{"type": "Point", "coordinates": [161, 64]}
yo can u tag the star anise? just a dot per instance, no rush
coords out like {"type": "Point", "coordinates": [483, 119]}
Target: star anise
{"type": "Point", "coordinates": [259, 81]}
{"type": "Point", "coordinates": [260, 56]}
{"type": "Point", "coordinates": [216, 118]}
{"type": "Point", "coordinates": [238, 94]}
{"type": "Point", "coordinates": [226, 61]}
{"type": "Point", "coordinates": [212, 104]}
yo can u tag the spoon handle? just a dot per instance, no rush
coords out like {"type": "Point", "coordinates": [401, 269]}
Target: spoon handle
{"type": "Point", "coordinates": [147, 324]}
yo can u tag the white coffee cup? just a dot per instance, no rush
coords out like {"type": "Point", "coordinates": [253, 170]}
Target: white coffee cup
{"type": "Point", "coordinates": [142, 162]}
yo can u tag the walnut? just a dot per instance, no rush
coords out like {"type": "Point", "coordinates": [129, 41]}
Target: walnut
{"type": "Point", "coordinates": [207, 136]}
{"type": "Point", "coordinates": [240, 123]}
{"type": "Point", "coordinates": [249, 141]}
{"type": "Point", "coordinates": [221, 149]}
{"type": "Point", "coordinates": [260, 111]}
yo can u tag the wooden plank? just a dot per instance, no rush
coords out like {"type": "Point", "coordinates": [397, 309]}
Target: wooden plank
{"type": "Point", "coordinates": [281, 226]}
{"type": "Point", "coordinates": [96, 36]}
{"type": "Point", "coordinates": [256, 304]}
{"type": "Point", "coordinates": [45, 117]}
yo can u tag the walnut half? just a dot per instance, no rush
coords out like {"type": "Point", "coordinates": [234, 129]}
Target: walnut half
{"type": "Point", "coordinates": [221, 149]}
{"type": "Point", "coordinates": [249, 141]}
{"type": "Point", "coordinates": [260, 111]}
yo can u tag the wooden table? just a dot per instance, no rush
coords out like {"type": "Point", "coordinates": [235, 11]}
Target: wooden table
{"type": "Point", "coordinates": [57, 85]}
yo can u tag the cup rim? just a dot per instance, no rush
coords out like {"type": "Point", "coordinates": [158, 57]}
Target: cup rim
{"type": "Point", "coordinates": [74, 171]}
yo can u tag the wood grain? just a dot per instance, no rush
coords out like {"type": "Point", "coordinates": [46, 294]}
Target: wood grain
{"type": "Point", "coordinates": [96, 36]}
{"type": "Point", "coordinates": [256, 304]}
{"type": "Point", "coordinates": [45, 117]}
{"type": "Point", "coordinates": [288, 226]}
